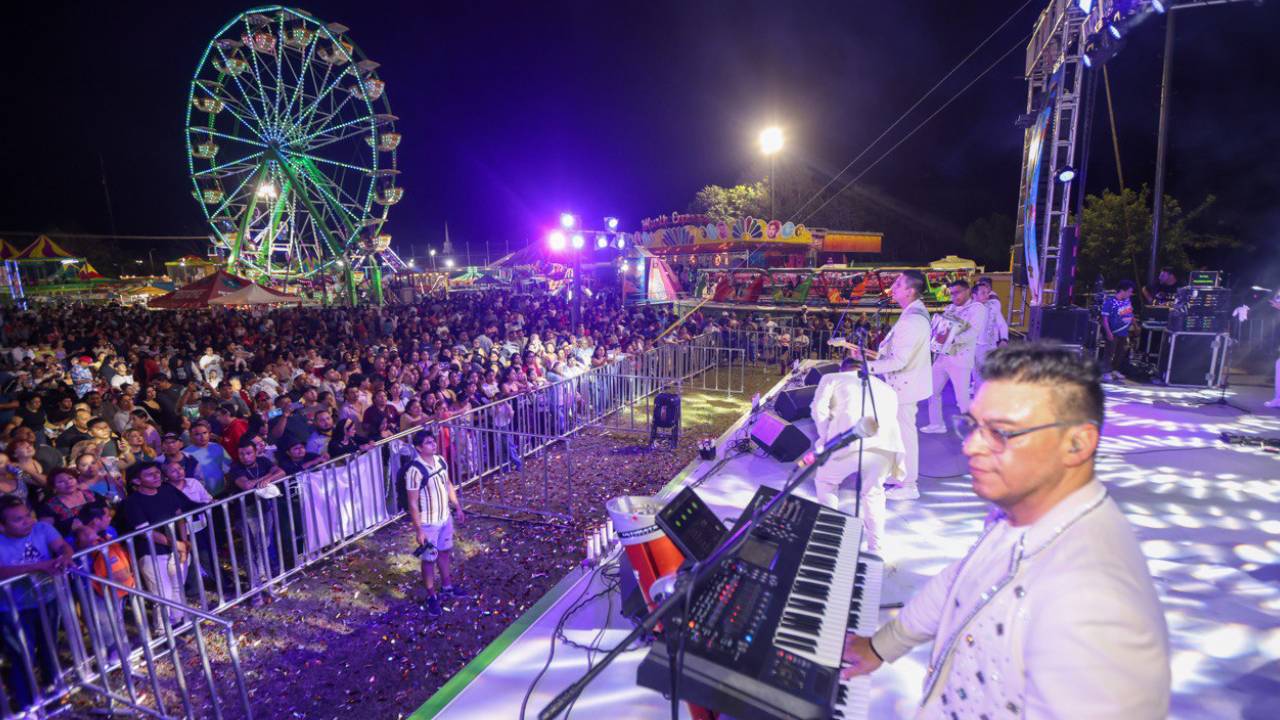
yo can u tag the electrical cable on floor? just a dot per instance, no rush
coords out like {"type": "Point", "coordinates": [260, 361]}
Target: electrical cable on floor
{"type": "Point", "coordinates": [524, 703]}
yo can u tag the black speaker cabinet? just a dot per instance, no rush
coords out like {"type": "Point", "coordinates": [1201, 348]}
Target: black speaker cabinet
{"type": "Point", "coordinates": [793, 405]}
{"type": "Point", "coordinates": [814, 376]}
{"type": "Point", "coordinates": [1068, 325]}
{"type": "Point", "coordinates": [1193, 359]}
{"type": "Point", "coordinates": [781, 439]}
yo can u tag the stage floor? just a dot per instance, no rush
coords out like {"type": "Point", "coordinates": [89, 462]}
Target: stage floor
{"type": "Point", "coordinates": [1207, 514]}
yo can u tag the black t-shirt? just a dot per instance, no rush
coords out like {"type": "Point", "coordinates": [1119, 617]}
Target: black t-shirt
{"type": "Point", "coordinates": [260, 468]}
{"type": "Point", "coordinates": [170, 415]}
{"type": "Point", "coordinates": [139, 510]}
{"type": "Point", "coordinates": [34, 419]}
{"type": "Point", "coordinates": [288, 465]}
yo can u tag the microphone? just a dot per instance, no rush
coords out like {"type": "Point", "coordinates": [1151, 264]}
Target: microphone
{"type": "Point", "coordinates": [884, 301]}
{"type": "Point", "coordinates": [861, 430]}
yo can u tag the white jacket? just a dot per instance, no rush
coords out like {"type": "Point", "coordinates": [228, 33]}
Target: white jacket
{"type": "Point", "coordinates": [1058, 619]}
{"type": "Point", "coordinates": [903, 359]}
{"type": "Point", "coordinates": [997, 329]}
{"type": "Point", "coordinates": [837, 407]}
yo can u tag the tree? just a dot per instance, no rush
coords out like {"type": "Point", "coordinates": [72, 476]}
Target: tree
{"type": "Point", "coordinates": [731, 203]}
{"type": "Point", "coordinates": [988, 240]}
{"type": "Point", "coordinates": [1115, 236]}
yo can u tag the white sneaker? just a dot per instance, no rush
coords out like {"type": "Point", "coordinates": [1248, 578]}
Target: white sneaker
{"type": "Point", "coordinates": [934, 429]}
{"type": "Point", "coordinates": [1275, 403]}
{"type": "Point", "coordinates": [905, 492]}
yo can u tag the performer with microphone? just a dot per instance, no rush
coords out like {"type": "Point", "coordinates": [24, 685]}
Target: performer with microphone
{"type": "Point", "coordinates": [838, 404]}
{"type": "Point", "coordinates": [1052, 613]}
{"type": "Point", "coordinates": [903, 362]}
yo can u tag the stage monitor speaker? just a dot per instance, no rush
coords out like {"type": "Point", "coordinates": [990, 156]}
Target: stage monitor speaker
{"type": "Point", "coordinates": [793, 405]}
{"type": "Point", "coordinates": [1068, 325]}
{"type": "Point", "coordinates": [781, 439]}
{"type": "Point", "coordinates": [814, 376]}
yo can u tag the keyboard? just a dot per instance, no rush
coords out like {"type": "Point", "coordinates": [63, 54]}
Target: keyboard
{"type": "Point", "coordinates": [765, 631]}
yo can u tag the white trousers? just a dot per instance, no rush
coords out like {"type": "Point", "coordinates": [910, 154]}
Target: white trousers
{"type": "Point", "coordinates": [956, 369]}
{"type": "Point", "coordinates": [839, 472]}
{"type": "Point", "coordinates": [163, 575]}
{"type": "Point", "coordinates": [978, 357]}
{"type": "Point", "coordinates": [910, 441]}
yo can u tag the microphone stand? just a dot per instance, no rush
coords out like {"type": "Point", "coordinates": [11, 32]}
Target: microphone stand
{"type": "Point", "coordinates": [700, 571]}
{"type": "Point", "coordinates": [865, 376]}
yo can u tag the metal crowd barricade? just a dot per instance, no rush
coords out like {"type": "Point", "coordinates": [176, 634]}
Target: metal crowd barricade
{"type": "Point", "coordinates": [120, 646]}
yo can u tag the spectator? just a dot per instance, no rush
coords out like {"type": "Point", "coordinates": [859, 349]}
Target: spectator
{"type": "Point", "coordinates": [95, 477]}
{"type": "Point", "coordinates": [110, 562]}
{"type": "Point", "coordinates": [176, 475]}
{"type": "Point", "coordinates": [430, 493]}
{"type": "Point", "coordinates": [346, 440]}
{"type": "Point", "coordinates": [25, 465]}
{"type": "Point", "coordinates": [251, 472]}
{"type": "Point", "coordinates": [214, 461]}
{"type": "Point", "coordinates": [162, 553]}
{"type": "Point", "coordinates": [77, 431]}
{"type": "Point", "coordinates": [35, 549]}
{"type": "Point", "coordinates": [233, 428]}
{"type": "Point", "coordinates": [11, 485]}
{"type": "Point", "coordinates": [321, 432]}
{"type": "Point", "coordinates": [68, 498]}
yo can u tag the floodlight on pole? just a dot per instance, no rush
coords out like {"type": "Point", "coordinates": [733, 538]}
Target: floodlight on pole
{"type": "Point", "coordinates": [771, 140]}
{"type": "Point", "coordinates": [448, 263]}
{"type": "Point", "coordinates": [1066, 174]}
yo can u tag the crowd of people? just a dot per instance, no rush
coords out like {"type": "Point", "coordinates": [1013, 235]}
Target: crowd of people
{"type": "Point", "coordinates": [114, 419]}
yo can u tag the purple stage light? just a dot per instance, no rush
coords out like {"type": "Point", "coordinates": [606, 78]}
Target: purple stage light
{"type": "Point", "coordinates": [556, 241]}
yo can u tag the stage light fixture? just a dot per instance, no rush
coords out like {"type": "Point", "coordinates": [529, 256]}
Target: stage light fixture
{"type": "Point", "coordinates": [578, 241]}
{"type": "Point", "coordinates": [556, 241]}
{"type": "Point", "coordinates": [626, 266]}
{"type": "Point", "coordinates": [622, 242]}
{"type": "Point", "coordinates": [611, 223]}
{"type": "Point", "coordinates": [1158, 6]}
{"type": "Point", "coordinates": [602, 242]}
{"type": "Point", "coordinates": [1066, 174]}
{"type": "Point", "coordinates": [567, 220]}
{"type": "Point", "coordinates": [1114, 30]}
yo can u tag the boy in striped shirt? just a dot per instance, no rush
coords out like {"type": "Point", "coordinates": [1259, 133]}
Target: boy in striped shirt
{"type": "Point", "coordinates": [430, 494]}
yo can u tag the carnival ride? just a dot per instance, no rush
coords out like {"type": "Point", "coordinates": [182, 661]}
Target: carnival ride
{"type": "Point", "coordinates": [292, 152]}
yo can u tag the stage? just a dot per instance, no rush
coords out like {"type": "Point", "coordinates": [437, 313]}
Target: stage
{"type": "Point", "coordinates": [1208, 516]}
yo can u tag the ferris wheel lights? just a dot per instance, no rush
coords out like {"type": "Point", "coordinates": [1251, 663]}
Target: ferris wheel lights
{"type": "Point", "coordinates": [267, 190]}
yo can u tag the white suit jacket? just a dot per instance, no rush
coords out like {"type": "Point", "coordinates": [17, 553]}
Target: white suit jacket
{"type": "Point", "coordinates": [903, 359]}
{"type": "Point", "coordinates": [1058, 619]}
{"type": "Point", "coordinates": [997, 328]}
{"type": "Point", "coordinates": [837, 406]}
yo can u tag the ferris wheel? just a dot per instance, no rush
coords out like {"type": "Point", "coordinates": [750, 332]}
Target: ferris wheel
{"type": "Point", "coordinates": [291, 149]}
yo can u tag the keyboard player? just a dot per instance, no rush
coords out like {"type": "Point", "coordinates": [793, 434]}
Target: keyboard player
{"type": "Point", "coordinates": [1052, 613]}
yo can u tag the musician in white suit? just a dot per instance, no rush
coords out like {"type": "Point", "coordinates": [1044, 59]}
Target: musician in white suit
{"type": "Point", "coordinates": [903, 361]}
{"type": "Point", "coordinates": [996, 332]}
{"type": "Point", "coordinates": [955, 344]}
{"type": "Point", "coordinates": [1052, 612]}
{"type": "Point", "coordinates": [838, 404]}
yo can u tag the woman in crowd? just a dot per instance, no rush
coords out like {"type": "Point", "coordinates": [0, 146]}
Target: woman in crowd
{"type": "Point", "coordinates": [25, 465]}
{"type": "Point", "coordinates": [67, 500]}
{"type": "Point", "coordinates": [10, 483]}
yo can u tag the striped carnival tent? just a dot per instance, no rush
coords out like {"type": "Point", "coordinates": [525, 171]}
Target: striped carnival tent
{"type": "Point", "coordinates": [43, 248]}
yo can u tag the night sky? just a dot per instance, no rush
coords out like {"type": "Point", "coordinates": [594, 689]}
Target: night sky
{"type": "Point", "coordinates": [512, 112]}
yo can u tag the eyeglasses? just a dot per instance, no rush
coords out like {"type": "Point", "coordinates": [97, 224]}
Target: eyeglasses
{"type": "Point", "coordinates": [996, 439]}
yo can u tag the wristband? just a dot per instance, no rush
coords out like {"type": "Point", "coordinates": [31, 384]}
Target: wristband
{"type": "Point", "coordinates": [873, 650]}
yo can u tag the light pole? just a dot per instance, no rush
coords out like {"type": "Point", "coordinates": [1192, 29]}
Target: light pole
{"type": "Point", "coordinates": [432, 253]}
{"type": "Point", "coordinates": [771, 141]}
